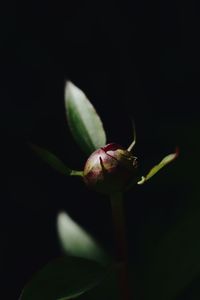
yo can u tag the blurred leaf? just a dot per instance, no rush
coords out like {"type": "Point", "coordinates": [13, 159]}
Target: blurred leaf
{"type": "Point", "coordinates": [54, 161]}
{"type": "Point", "coordinates": [166, 160]}
{"type": "Point", "coordinates": [175, 262]}
{"type": "Point", "coordinates": [76, 241]}
{"type": "Point", "coordinates": [107, 289]}
{"type": "Point", "coordinates": [64, 278]}
{"type": "Point", "coordinates": [84, 122]}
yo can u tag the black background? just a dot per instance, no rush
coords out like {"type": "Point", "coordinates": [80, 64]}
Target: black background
{"type": "Point", "coordinates": [135, 59]}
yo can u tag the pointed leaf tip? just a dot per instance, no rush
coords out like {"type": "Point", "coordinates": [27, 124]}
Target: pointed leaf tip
{"type": "Point", "coordinates": [166, 160]}
{"type": "Point", "coordinates": [84, 122]}
{"type": "Point", "coordinates": [132, 145]}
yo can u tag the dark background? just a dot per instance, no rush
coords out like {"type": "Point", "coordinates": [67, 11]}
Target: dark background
{"type": "Point", "coordinates": [138, 59]}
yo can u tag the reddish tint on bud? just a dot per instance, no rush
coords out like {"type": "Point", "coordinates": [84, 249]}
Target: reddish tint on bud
{"type": "Point", "coordinates": [110, 169]}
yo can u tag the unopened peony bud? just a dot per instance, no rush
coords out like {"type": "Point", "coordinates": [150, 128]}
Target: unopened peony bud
{"type": "Point", "coordinates": [110, 169]}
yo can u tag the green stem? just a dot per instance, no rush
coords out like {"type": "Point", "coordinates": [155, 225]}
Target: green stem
{"type": "Point", "coordinates": [121, 244]}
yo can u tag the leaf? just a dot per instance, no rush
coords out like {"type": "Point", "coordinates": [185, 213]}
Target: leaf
{"type": "Point", "coordinates": [166, 160]}
{"type": "Point", "coordinates": [84, 122]}
{"type": "Point", "coordinates": [107, 289]}
{"type": "Point", "coordinates": [76, 241]}
{"type": "Point", "coordinates": [175, 262]}
{"type": "Point", "coordinates": [64, 278]}
{"type": "Point", "coordinates": [54, 161]}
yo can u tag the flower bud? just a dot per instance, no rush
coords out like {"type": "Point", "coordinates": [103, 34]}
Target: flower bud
{"type": "Point", "coordinates": [110, 169]}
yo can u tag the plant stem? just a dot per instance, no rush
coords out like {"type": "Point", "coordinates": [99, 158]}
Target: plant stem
{"type": "Point", "coordinates": [121, 244]}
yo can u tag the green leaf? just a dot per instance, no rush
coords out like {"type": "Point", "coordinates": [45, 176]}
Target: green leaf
{"type": "Point", "coordinates": [76, 241]}
{"type": "Point", "coordinates": [54, 161]}
{"type": "Point", "coordinates": [64, 278]}
{"type": "Point", "coordinates": [166, 160]}
{"type": "Point", "coordinates": [175, 261]}
{"type": "Point", "coordinates": [84, 122]}
{"type": "Point", "coordinates": [107, 289]}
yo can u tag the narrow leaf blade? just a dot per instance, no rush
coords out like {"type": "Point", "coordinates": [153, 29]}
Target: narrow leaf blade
{"type": "Point", "coordinates": [64, 278]}
{"type": "Point", "coordinates": [76, 241]}
{"type": "Point", "coordinates": [165, 161]}
{"type": "Point", "coordinates": [54, 161]}
{"type": "Point", "coordinates": [84, 122]}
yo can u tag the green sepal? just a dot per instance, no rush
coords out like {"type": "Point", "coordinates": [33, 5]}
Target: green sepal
{"type": "Point", "coordinates": [166, 160]}
{"type": "Point", "coordinates": [54, 161]}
